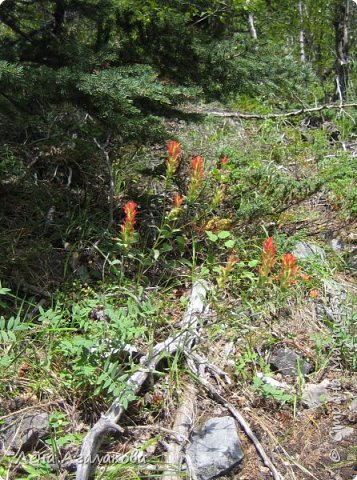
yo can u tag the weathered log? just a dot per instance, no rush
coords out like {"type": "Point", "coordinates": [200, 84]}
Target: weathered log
{"type": "Point", "coordinates": [182, 425]}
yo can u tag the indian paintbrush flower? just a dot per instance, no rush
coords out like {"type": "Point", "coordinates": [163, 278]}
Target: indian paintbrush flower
{"type": "Point", "coordinates": [314, 293]}
{"type": "Point", "coordinates": [269, 258]}
{"type": "Point", "coordinates": [289, 270]}
{"type": "Point", "coordinates": [174, 151]}
{"type": "Point", "coordinates": [177, 201]}
{"type": "Point", "coordinates": [197, 167]}
{"type": "Point", "coordinates": [197, 174]}
{"type": "Point", "coordinates": [224, 160]}
{"type": "Point", "coordinates": [127, 227]}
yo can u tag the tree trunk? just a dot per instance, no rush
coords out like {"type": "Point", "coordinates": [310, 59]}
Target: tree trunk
{"type": "Point", "coordinates": [251, 25]}
{"type": "Point", "coordinates": [341, 23]}
{"type": "Point", "coordinates": [301, 33]}
{"type": "Point", "coordinates": [59, 16]}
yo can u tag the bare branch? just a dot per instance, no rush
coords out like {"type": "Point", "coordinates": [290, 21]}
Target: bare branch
{"type": "Point", "coordinates": [256, 116]}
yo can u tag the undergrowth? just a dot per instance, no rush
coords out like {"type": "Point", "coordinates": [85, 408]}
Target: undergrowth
{"type": "Point", "coordinates": [216, 208]}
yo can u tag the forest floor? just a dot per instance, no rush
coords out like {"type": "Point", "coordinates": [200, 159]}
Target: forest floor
{"type": "Point", "coordinates": [292, 180]}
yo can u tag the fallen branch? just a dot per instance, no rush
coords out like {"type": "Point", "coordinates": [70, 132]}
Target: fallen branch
{"type": "Point", "coordinates": [197, 370]}
{"type": "Point", "coordinates": [182, 426]}
{"type": "Point", "coordinates": [257, 116]}
{"type": "Point", "coordinates": [108, 421]}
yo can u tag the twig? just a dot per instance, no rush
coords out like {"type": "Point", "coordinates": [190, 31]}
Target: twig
{"type": "Point", "coordinates": [203, 363]}
{"type": "Point", "coordinates": [148, 363]}
{"type": "Point", "coordinates": [39, 406]}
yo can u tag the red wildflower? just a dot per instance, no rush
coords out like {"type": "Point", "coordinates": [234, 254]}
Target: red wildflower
{"type": "Point", "coordinates": [127, 228]}
{"type": "Point", "coordinates": [197, 174]}
{"type": "Point", "coordinates": [197, 167]}
{"type": "Point", "coordinates": [177, 200]}
{"type": "Point", "coordinates": [268, 247]}
{"type": "Point", "coordinates": [289, 270]}
{"type": "Point", "coordinates": [224, 160]}
{"type": "Point", "coordinates": [130, 211]}
{"type": "Point", "coordinates": [269, 257]}
{"type": "Point", "coordinates": [174, 151]}
{"type": "Point", "coordinates": [288, 261]}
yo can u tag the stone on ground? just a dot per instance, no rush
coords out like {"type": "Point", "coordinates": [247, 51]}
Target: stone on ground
{"type": "Point", "coordinates": [314, 395]}
{"type": "Point", "coordinates": [215, 450]}
{"type": "Point", "coordinates": [304, 250]}
{"type": "Point", "coordinates": [23, 432]}
{"type": "Point", "coordinates": [288, 362]}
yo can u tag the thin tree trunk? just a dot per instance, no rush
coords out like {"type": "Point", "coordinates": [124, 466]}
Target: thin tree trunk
{"type": "Point", "coordinates": [341, 22]}
{"type": "Point", "coordinates": [59, 16]}
{"type": "Point", "coordinates": [301, 33]}
{"type": "Point", "coordinates": [251, 25]}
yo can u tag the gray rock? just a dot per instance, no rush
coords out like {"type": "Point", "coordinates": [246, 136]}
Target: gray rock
{"type": "Point", "coordinates": [352, 261]}
{"type": "Point", "coordinates": [304, 250]}
{"type": "Point", "coordinates": [288, 362]}
{"type": "Point", "coordinates": [314, 395]}
{"type": "Point", "coordinates": [23, 432]}
{"type": "Point", "coordinates": [340, 432]}
{"type": "Point", "coordinates": [216, 449]}
{"type": "Point", "coordinates": [335, 290]}
{"type": "Point", "coordinates": [337, 308]}
{"type": "Point", "coordinates": [336, 245]}
{"type": "Point", "coordinates": [353, 406]}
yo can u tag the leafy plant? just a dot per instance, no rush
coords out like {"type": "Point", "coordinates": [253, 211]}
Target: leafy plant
{"type": "Point", "coordinates": [269, 391]}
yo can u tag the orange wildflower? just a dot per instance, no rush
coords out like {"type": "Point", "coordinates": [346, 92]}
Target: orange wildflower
{"type": "Point", "coordinates": [269, 257]}
{"type": "Point", "coordinates": [177, 200]}
{"type": "Point", "coordinates": [197, 174]}
{"type": "Point", "coordinates": [174, 151]}
{"type": "Point", "coordinates": [232, 260]}
{"type": "Point", "coordinates": [224, 160]}
{"type": "Point", "coordinates": [197, 167]}
{"type": "Point", "coordinates": [127, 228]}
{"type": "Point", "coordinates": [289, 270]}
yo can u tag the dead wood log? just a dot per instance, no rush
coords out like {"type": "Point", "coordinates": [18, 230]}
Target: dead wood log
{"type": "Point", "coordinates": [182, 426]}
{"type": "Point", "coordinates": [108, 421]}
{"type": "Point", "coordinates": [257, 116]}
